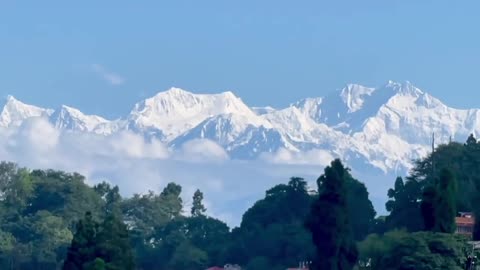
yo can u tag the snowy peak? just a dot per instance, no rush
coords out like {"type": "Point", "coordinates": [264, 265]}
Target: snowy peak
{"type": "Point", "coordinates": [14, 112]}
{"type": "Point", "coordinates": [73, 119]}
{"type": "Point", "coordinates": [263, 110]}
{"type": "Point", "coordinates": [405, 88]}
{"type": "Point", "coordinates": [310, 106]}
{"type": "Point", "coordinates": [353, 96]}
{"type": "Point", "coordinates": [176, 111]}
{"type": "Point", "coordinates": [386, 126]}
{"type": "Point", "coordinates": [404, 96]}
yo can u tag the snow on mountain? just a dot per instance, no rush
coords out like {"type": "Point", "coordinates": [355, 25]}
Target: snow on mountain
{"type": "Point", "coordinates": [69, 118]}
{"type": "Point", "coordinates": [241, 135]}
{"type": "Point", "coordinates": [310, 106]}
{"type": "Point", "coordinates": [263, 110]}
{"type": "Point", "coordinates": [412, 115]}
{"type": "Point", "coordinates": [14, 112]}
{"type": "Point", "coordinates": [223, 129]}
{"type": "Point", "coordinates": [175, 111]}
{"type": "Point", "coordinates": [303, 133]}
{"type": "Point", "coordinates": [384, 127]}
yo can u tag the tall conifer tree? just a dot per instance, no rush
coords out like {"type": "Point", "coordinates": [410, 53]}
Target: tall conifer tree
{"type": "Point", "coordinates": [445, 206]}
{"type": "Point", "coordinates": [328, 222]}
{"type": "Point", "coordinates": [82, 250]}
{"type": "Point", "coordinates": [198, 209]}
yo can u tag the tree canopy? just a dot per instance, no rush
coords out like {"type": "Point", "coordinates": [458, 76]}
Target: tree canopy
{"type": "Point", "coordinates": [52, 220]}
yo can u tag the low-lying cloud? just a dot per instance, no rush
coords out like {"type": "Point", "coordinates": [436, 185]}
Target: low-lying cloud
{"type": "Point", "coordinates": [136, 165]}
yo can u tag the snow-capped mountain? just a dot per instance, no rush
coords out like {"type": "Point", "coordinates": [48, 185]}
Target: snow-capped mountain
{"type": "Point", "coordinates": [73, 119]}
{"type": "Point", "coordinates": [384, 127]}
{"type": "Point", "coordinates": [14, 112]}
{"type": "Point", "coordinates": [176, 111]}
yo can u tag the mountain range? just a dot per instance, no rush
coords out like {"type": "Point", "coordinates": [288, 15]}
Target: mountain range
{"type": "Point", "coordinates": [382, 128]}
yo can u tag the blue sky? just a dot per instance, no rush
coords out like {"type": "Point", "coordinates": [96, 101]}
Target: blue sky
{"type": "Point", "coordinates": [102, 56]}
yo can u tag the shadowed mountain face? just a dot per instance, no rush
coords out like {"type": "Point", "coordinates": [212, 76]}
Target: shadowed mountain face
{"type": "Point", "coordinates": [384, 128]}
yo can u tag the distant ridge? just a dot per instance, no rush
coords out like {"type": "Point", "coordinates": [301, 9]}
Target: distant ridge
{"type": "Point", "coordinates": [384, 127]}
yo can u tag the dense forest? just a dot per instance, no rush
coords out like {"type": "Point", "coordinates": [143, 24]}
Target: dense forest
{"type": "Point", "coordinates": [53, 220]}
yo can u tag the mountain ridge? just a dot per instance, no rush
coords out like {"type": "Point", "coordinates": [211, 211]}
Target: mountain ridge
{"type": "Point", "coordinates": [386, 127]}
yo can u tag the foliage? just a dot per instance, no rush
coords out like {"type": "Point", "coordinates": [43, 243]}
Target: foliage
{"type": "Point", "coordinates": [361, 213]}
{"type": "Point", "coordinates": [272, 231]}
{"type": "Point", "coordinates": [82, 250]}
{"type": "Point", "coordinates": [427, 206]}
{"type": "Point", "coordinates": [445, 208]}
{"type": "Point", "coordinates": [112, 244]}
{"type": "Point", "coordinates": [38, 211]}
{"type": "Point", "coordinates": [409, 251]}
{"type": "Point", "coordinates": [404, 206]}
{"type": "Point", "coordinates": [198, 208]}
{"type": "Point", "coordinates": [43, 224]}
{"type": "Point", "coordinates": [462, 160]}
{"type": "Point", "coordinates": [328, 221]}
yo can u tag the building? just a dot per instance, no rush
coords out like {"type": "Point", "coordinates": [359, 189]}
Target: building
{"type": "Point", "coordinates": [465, 223]}
{"type": "Point", "coordinates": [226, 267]}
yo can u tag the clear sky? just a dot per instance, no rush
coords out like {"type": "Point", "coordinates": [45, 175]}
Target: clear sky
{"type": "Point", "coordinates": [102, 56]}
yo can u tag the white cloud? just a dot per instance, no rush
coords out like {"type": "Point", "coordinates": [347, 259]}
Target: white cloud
{"type": "Point", "coordinates": [109, 76]}
{"type": "Point", "coordinates": [311, 157]}
{"type": "Point", "coordinates": [202, 150]}
{"type": "Point", "coordinates": [230, 186]}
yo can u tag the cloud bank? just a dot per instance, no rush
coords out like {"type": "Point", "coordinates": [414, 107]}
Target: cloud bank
{"type": "Point", "coordinates": [136, 165]}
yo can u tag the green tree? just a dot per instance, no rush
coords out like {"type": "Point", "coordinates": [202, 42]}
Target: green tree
{"type": "Point", "coordinates": [328, 222]}
{"type": "Point", "coordinates": [188, 257]}
{"type": "Point", "coordinates": [419, 251]}
{"type": "Point", "coordinates": [172, 200]}
{"type": "Point", "coordinates": [439, 204]}
{"type": "Point", "coordinates": [208, 234]}
{"type": "Point", "coordinates": [445, 208]}
{"type": "Point", "coordinates": [147, 215]}
{"type": "Point", "coordinates": [98, 264]}
{"type": "Point", "coordinates": [429, 197]}
{"type": "Point", "coordinates": [7, 247]}
{"type": "Point", "coordinates": [63, 194]}
{"type": "Point", "coordinates": [113, 244]}
{"type": "Point", "coordinates": [51, 237]}
{"type": "Point", "coordinates": [259, 263]}
{"type": "Point", "coordinates": [361, 213]}
{"type": "Point", "coordinates": [111, 197]}
{"type": "Point", "coordinates": [462, 160]}
{"type": "Point", "coordinates": [82, 250]}
{"type": "Point", "coordinates": [404, 206]}
{"type": "Point", "coordinates": [273, 228]}
{"type": "Point", "coordinates": [198, 208]}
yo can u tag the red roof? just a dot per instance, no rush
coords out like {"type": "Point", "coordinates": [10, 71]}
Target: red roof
{"type": "Point", "coordinates": [215, 268]}
{"type": "Point", "coordinates": [464, 221]}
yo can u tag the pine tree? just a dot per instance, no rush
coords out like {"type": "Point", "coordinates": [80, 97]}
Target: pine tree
{"type": "Point", "coordinates": [403, 206]}
{"type": "Point", "coordinates": [113, 244]}
{"type": "Point", "coordinates": [445, 206]}
{"type": "Point", "coordinates": [100, 246]}
{"type": "Point", "coordinates": [439, 203]}
{"type": "Point", "coordinates": [428, 207]}
{"type": "Point", "coordinates": [82, 250]}
{"type": "Point", "coordinates": [198, 209]}
{"type": "Point", "coordinates": [329, 224]}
